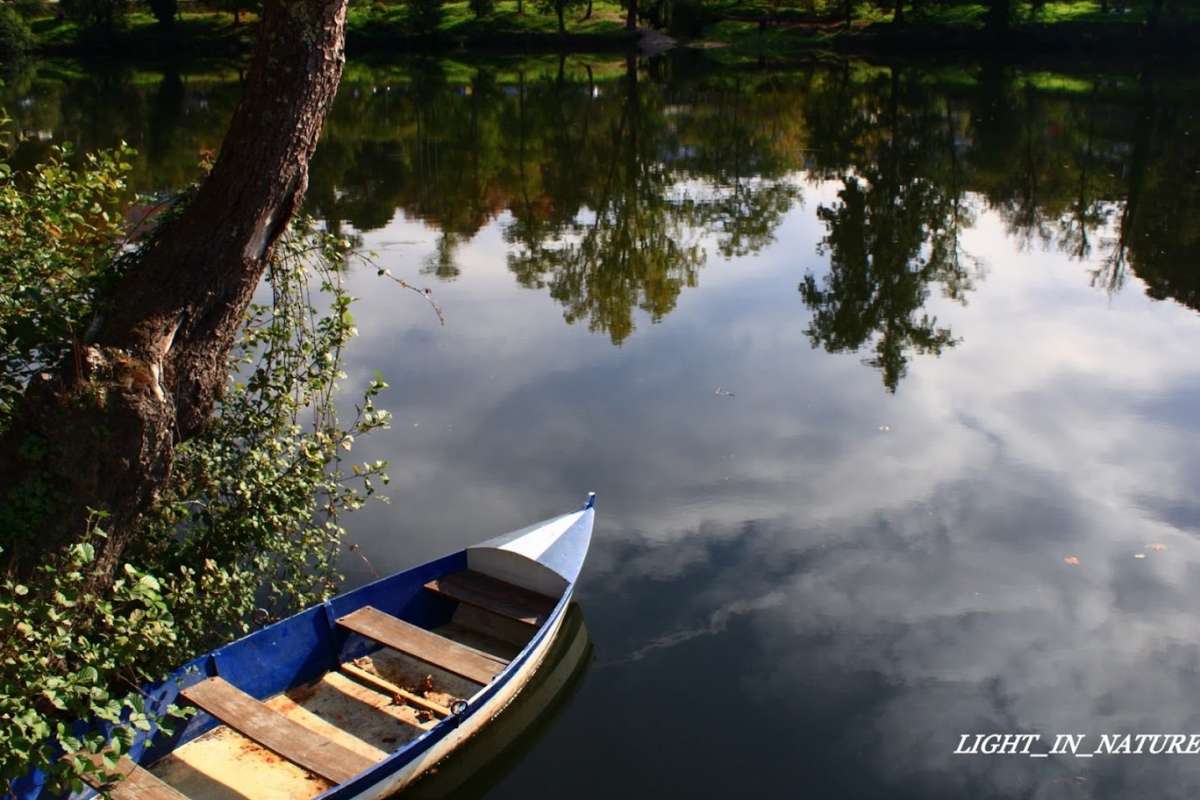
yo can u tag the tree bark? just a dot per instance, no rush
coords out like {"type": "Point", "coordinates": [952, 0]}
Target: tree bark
{"type": "Point", "coordinates": [999, 15]}
{"type": "Point", "coordinates": [631, 14]}
{"type": "Point", "coordinates": [1156, 9]}
{"type": "Point", "coordinates": [100, 433]}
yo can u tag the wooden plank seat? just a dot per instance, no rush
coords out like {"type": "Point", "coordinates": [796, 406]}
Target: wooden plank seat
{"type": "Point", "coordinates": [499, 597]}
{"type": "Point", "coordinates": [423, 645]}
{"type": "Point", "coordinates": [138, 784]}
{"type": "Point", "coordinates": [276, 732]}
{"type": "Point", "coordinates": [379, 683]}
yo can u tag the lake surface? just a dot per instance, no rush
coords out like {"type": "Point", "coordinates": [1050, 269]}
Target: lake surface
{"type": "Point", "coordinates": [885, 375]}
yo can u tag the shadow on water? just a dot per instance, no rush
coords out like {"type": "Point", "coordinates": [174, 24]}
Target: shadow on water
{"type": "Point", "coordinates": [485, 759]}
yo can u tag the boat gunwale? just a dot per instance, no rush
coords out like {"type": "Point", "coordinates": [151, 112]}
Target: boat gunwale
{"type": "Point", "coordinates": [330, 651]}
{"type": "Point", "coordinates": [408, 752]}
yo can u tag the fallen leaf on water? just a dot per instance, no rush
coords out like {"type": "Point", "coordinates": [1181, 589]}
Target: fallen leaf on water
{"type": "Point", "coordinates": [1156, 547]}
{"type": "Point", "coordinates": [1072, 560]}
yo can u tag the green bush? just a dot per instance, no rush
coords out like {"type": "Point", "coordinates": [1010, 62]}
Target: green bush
{"type": "Point", "coordinates": [247, 529]}
{"type": "Point", "coordinates": [15, 37]}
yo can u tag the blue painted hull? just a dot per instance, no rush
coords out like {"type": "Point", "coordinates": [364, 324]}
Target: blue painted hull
{"type": "Point", "coordinates": [300, 649]}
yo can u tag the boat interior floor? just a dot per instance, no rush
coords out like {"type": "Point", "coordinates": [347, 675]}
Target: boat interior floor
{"type": "Point", "coordinates": [297, 744]}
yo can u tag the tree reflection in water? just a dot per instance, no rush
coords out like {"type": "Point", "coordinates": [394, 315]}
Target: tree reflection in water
{"type": "Point", "coordinates": [616, 181]}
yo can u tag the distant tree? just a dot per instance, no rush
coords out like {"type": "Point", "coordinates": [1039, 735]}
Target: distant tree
{"type": "Point", "coordinates": [425, 15]}
{"type": "Point", "coordinates": [848, 7]}
{"type": "Point", "coordinates": [559, 9]}
{"type": "Point", "coordinates": [238, 8]}
{"type": "Point", "coordinates": [1161, 8]}
{"type": "Point", "coordinates": [999, 15]}
{"type": "Point", "coordinates": [482, 8]}
{"type": "Point", "coordinates": [98, 14]}
{"type": "Point", "coordinates": [164, 11]}
{"type": "Point", "coordinates": [15, 37]}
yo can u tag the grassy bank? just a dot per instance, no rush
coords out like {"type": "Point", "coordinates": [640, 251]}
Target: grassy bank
{"type": "Point", "coordinates": [377, 27]}
{"type": "Point", "coordinates": [194, 33]}
{"type": "Point", "coordinates": [774, 29]}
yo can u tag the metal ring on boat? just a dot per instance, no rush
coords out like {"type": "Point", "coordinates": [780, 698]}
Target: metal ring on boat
{"type": "Point", "coordinates": [458, 707]}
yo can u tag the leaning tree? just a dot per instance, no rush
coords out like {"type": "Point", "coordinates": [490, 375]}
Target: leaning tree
{"type": "Point", "coordinates": [99, 432]}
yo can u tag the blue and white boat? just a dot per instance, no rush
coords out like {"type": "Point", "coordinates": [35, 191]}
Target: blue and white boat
{"type": "Point", "coordinates": [357, 697]}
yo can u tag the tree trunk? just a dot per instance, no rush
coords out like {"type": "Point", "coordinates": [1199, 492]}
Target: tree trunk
{"type": "Point", "coordinates": [588, 14]}
{"type": "Point", "coordinates": [631, 14]}
{"type": "Point", "coordinates": [999, 14]}
{"type": "Point", "coordinates": [562, 25]}
{"type": "Point", "coordinates": [898, 13]}
{"type": "Point", "coordinates": [1156, 9]}
{"type": "Point", "coordinates": [100, 434]}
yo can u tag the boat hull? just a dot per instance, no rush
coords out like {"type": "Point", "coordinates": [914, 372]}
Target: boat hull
{"type": "Point", "coordinates": [484, 714]}
{"type": "Point", "coordinates": [251, 694]}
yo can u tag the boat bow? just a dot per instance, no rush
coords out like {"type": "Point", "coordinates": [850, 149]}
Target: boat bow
{"type": "Point", "coordinates": [545, 557]}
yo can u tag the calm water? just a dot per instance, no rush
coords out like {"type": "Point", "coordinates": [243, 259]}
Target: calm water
{"type": "Point", "coordinates": [885, 377]}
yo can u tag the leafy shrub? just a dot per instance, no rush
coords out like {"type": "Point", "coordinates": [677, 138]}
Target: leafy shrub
{"type": "Point", "coordinates": [15, 37]}
{"type": "Point", "coordinates": [62, 232]}
{"type": "Point", "coordinates": [247, 529]}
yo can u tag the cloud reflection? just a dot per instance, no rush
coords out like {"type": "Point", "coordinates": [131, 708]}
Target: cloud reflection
{"type": "Point", "coordinates": [901, 553]}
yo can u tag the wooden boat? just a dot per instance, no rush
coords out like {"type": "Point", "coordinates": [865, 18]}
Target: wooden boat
{"type": "Point", "coordinates": [484, 759]}
{"type": "Point", "coordinates": [357, 697]}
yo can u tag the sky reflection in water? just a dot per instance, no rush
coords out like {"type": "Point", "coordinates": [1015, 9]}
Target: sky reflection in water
{"type": "Point", "coordinates": [855, 358]}
{"type": "Point", "coordinates": [856, 575]}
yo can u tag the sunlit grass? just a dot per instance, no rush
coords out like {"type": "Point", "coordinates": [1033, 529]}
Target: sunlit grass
{"type": "Point", "coordinates": [793, 25]}
{"type": "Point", "coordinates": [1057, 83]}
{"type": "Point", "coordinates": [141, 29]}
{"type": "Point", "coordinates": [459, 20]}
